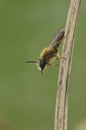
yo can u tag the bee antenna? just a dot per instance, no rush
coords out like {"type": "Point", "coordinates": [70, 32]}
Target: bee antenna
{"type": "Point", "coordinates": [31, 61]}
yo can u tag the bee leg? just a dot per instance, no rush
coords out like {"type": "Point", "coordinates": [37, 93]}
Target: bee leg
{"type": "Point", "coordinates": [52, 64]}
{"type": "Point", "coordinates": [59, 57]}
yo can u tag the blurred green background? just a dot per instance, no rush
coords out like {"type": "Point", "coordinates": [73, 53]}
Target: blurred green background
{"type": "Point", "coordinates": [27, 98]}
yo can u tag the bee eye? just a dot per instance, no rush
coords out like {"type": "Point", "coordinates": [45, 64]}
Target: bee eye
{"type": "Point", "coordinates": [42, 64]}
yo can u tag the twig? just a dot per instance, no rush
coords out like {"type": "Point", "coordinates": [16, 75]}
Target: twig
{"type": "Point", "coordinates": [61, 112]}
{"type": "Point", "coordinates": [5, 124]}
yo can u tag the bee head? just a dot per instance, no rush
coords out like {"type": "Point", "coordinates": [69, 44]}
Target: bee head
{"type": "Point", "coordinates": [41, 65]}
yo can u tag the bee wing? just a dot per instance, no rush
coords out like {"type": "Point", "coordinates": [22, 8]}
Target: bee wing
{"type": "Point", "coordinates": [57, 39]}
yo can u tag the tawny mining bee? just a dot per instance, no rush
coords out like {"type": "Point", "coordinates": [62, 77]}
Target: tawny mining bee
{"type": "Point", "coordinates": [50, 53]}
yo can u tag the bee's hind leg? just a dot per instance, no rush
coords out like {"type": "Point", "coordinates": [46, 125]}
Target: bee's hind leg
{"type": "Point", "coordinates": [59, 57]}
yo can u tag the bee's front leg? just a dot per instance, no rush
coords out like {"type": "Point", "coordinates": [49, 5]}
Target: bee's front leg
{"type": "Point", "coordinates": [52, 64]}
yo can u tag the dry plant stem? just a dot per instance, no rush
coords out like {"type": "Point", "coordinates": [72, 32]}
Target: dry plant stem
{"type": "Point", "coordinates": [61, 112]}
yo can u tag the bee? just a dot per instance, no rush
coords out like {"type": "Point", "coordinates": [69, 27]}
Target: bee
{"type": "Point", "coordinates": [49, 54]}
